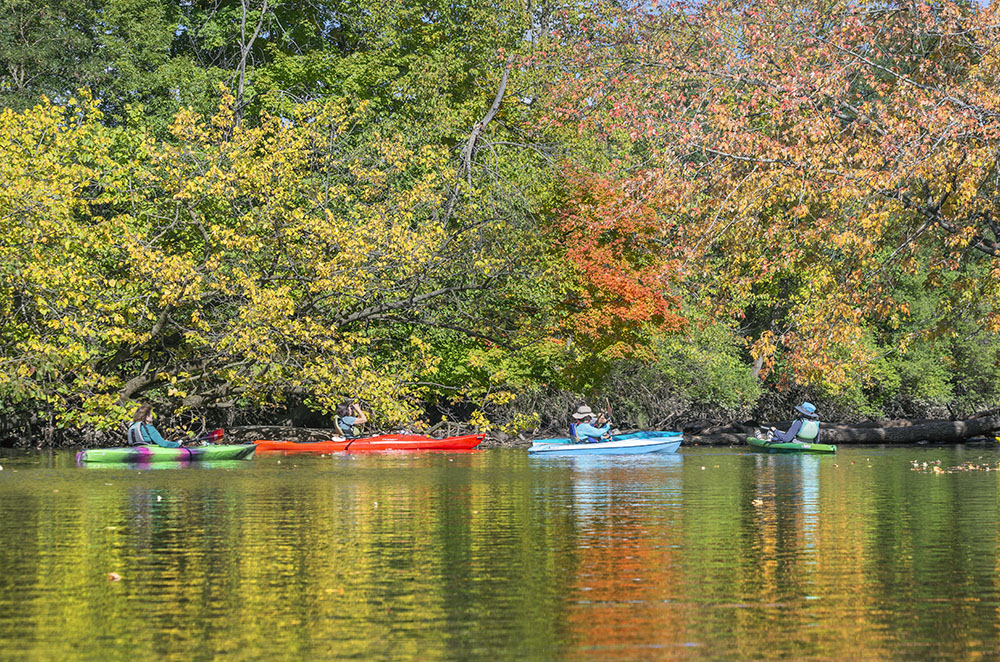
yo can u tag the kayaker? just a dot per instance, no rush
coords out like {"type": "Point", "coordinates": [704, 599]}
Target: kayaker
{"type": "Point", "coordinates": [142, 431]}
{"type": "Point", "coordinates": [586, 427]}
{"type": "Point", "coordinates": [349, 417]}
{"type": "Point", "coordinates": [805, 428]}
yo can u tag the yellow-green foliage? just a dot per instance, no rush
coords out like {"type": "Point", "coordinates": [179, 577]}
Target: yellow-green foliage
{"type": "Point", "coordinates": [233, 262]}
{"type": "Point", "coordinates": [60, 300]}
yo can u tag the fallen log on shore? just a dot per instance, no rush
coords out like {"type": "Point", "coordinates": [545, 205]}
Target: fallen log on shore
{"type": "Point", "coordinates": [887, 432]}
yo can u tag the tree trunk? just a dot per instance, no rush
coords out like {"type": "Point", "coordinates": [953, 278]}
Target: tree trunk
{"type": "Point", "coordinates": [245, 47]}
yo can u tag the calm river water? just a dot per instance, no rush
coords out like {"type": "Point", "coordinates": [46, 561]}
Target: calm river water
{"type": "Point", "coordinates": [710, 554]}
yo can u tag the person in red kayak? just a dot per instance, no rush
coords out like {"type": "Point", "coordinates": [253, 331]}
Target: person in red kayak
{"type": "Point", "coordinates": [804, 428]}
{"type": "Point", "coordinates": [142, 431]}
{"type": "Point", "coordinates": [349, 418]}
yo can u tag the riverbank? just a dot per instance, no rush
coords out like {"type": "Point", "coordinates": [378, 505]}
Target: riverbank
{"type": "Point", "coordinates": [902, 432]}
{"type": "Point", "coordinates": [985, 427]}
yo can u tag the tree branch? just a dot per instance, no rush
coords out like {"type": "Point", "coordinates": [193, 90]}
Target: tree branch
{"type": "Point", "coordinates": [373, 311]}
{"type": "Point", "coordinates": [465, 167]}
{"type": "Point", "coordinates": [245, 47]}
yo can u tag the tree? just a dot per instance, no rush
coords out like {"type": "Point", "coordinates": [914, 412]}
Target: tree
{"type": "Point", "coordinates": [801, 157]}
{"type": "Point", "coordinates": [58, 288]}
{"type": "Point", "coordinates": [47, 48]}
{"type": "Point", "coordinates": [237, 263]}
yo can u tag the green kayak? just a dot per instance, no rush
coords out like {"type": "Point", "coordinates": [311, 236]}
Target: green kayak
{"type": "Point", "coordinates": [145, 454]}
{"type": "Point", "coordinates": [791, 446]}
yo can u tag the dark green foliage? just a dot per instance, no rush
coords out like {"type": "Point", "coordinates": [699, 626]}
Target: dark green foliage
{"type": "Point", "coordinates": [700, 374]}
{"type": "Point", "coordinates": [47, 48]}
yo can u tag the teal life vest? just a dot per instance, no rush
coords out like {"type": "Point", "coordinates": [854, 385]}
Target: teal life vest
{"type": "Point", "coordinates": [809, 430]}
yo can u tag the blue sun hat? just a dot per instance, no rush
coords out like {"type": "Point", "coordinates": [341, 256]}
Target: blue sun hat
{"type": "Point", "coordinates": [806, 408]}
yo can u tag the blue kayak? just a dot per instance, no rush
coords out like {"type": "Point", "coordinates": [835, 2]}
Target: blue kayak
{"type": "Point", "coordinates": [619, 444]}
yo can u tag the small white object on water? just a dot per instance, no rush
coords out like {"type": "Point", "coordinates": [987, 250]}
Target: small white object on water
{"type": "Point", "coordinates": [159, 498]}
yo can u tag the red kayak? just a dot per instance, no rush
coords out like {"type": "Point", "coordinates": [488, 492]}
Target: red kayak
{"type": "Point", "coordinates": [385, 442]}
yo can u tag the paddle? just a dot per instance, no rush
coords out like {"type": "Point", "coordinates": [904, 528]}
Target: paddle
{"type": "Point", "coordinates": [607, 404]}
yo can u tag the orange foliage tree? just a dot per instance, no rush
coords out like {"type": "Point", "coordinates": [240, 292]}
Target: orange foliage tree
{"type": "Point", "coordinates": [626, 269]}
{"type": "Point", "coordinates": [791, 157]}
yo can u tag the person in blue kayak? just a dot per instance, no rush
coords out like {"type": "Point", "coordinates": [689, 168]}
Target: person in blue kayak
{"type": "Point", "coordinates": [805, 428]}
{"type": "Point", "coordinates": [142, 431]}
{"type": "Point", "coordinates": [588, 428]}
{"type": "Point", "coordinates": [349, 418]}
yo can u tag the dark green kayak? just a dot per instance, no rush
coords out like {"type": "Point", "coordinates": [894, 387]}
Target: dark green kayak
{"type": "Point", "coordinates": [790, 446]}
{"type": "Point", "coordinates": [144, 454]}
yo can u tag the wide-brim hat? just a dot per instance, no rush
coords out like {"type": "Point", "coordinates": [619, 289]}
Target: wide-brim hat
{"type": "Point", "coordinates": [583, 411]}
{"type": "Point", "coordinates": [806, 408]}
